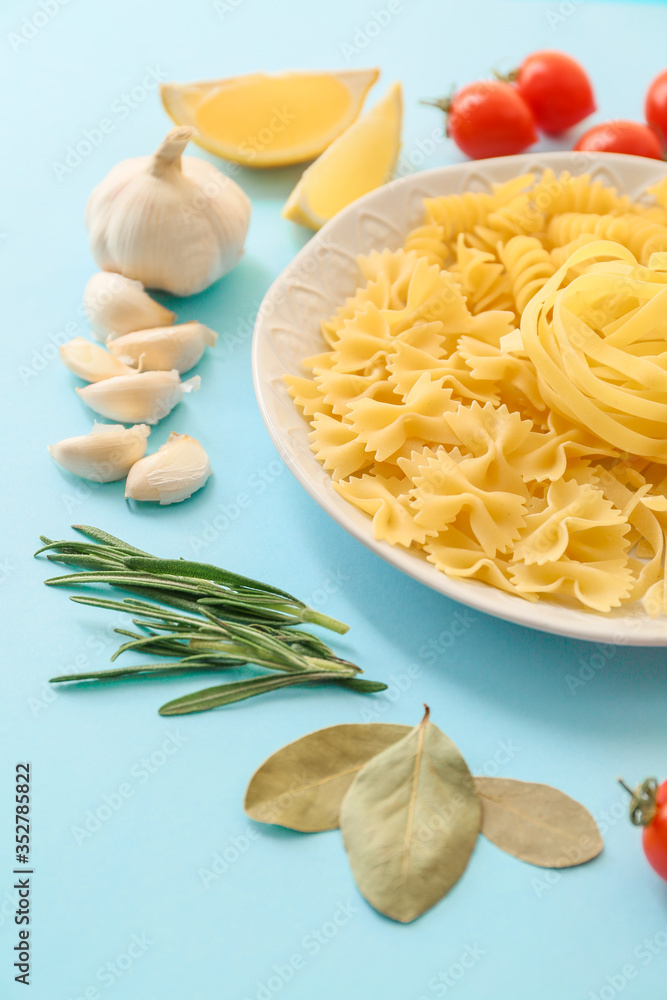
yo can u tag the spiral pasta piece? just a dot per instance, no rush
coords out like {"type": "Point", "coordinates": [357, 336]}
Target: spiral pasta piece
{"type": "Point", "coordinates": [458, 213]}
{"type": "Point", "coordinates": [645, 237]}
{"type": "Point", "coordinates": [571, 225]}
{"type": "Point", "coordinates": [529, 267]}
{"type": "Point", "coordinates": [581, 195]}
{"type": "Point", "coordinates": [428, 241]}
{"type": "Point", "coordinates": [656, 213]}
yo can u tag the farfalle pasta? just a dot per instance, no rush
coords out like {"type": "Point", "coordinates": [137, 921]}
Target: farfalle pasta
{"type": "Point", "coordinates": [494, 395]}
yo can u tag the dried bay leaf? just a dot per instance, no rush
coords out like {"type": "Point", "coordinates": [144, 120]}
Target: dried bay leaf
{"type": "Point", "coordinates": [537, 823]}
{"type": "Point", "coordinates": [302, 785]}
{"type": "Point", "coordinates": [409, 821]}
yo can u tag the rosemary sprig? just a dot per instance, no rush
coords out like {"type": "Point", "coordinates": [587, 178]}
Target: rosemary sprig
{"type": "Point", "coordinates": [214, 619]}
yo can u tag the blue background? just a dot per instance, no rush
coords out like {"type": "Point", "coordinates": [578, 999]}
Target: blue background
{"type": "Point", "coordinates": [556, 936]}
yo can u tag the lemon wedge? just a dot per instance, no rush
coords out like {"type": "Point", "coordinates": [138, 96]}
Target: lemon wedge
{"type": "Point", "coordinates": [358, 161]}
{"type": "Point", "coordinates": [265, 120]}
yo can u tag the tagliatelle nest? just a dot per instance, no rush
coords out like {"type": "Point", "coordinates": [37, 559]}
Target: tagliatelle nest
{"type": "Point", "coordinates": [599, 346]}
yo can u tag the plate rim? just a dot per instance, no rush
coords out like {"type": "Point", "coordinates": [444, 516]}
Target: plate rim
{"type": "Point", "coordinates": [584, 625]}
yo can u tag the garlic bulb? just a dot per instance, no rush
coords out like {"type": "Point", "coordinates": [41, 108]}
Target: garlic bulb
{"type": "Point", "coordinates": [179, 347]}
{"type": "Point", "coordinates": [145, 397]}
{"type": "Point", "coordinates": [116, 305]}
{"type": "Point", "coordinates": [171, 474]}
{"type": "Point", "coordinates": [173, 223]}
{"type": "Point", "coordinates": [90, 361]}
{"type": "Point", "coordinates": [104, 455]}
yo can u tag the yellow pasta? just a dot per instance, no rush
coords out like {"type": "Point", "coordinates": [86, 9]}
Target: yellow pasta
{"type": "Point", "coordinates": [307, 395]}
{"type": "Point", "coordinates": [521, 217]}
{"type": "Point", "coordinates": [646, 237]}
{"type": "Point", "coordinates": [580, 194]}
{"type": "Point", "coordinates": [484, 281]}
{"type": "Point", "coordinates": [615, 384]}
{"type": "Point", "coordinates": [429, 242]}
{"type": "Point", "coordinates": [568, 227]}
{"type": "Point", "coordinates": [528, 266]}
{"type": "Point", "coordinates": [386, 500]}
{"type": "Point", "coordinates": [494, 395]}
{"type": "Point", "coordinates": [560, 254]}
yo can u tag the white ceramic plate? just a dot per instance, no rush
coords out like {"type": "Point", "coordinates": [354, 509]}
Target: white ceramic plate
{"type": "Point", "coordinates": [323, 274]}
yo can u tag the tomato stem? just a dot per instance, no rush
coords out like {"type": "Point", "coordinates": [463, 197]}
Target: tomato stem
{"type": "Point", "coordinates": [443, 103]}
{"type": "Point", "coordinates": [510, 77]}
{"type": "Point", "coordinates": [642, 803]}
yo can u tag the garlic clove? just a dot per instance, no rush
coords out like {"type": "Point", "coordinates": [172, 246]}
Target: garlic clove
{"type": "Point", "coordinates": [179, 347]}
{"type": "Point", "coordinates": [105, 454]}
{"type": "Point", "coordinates": [172, 222]}
{"type": "Point", "coordinates": [91, 362]}
{"type": "Point", "coordinates": [142, 398]}
{"type": "Point", "coordinates": [116, 305]}
{"type": "Point", "coordinates": [171, 474]}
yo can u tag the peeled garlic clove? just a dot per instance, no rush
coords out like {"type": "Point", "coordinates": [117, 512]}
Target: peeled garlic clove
{"type": "Point", "coordinates": [179, 347]}
{"type": "Point", "coordinates": [90, 361]}
{"type": "Point", "coordinates": [173, 223]}
{"type": "Point", "coordinates": [116, 305]}
{"type": "Point", "coordinates": [171, 474]}
{"type": "Point", "coordinates": [145, 397]}
{"type": "Point", "coordinates": [104, 455]}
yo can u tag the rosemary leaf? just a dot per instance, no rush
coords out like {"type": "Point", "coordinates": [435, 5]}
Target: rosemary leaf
{"type": "Point", "coordinates": [85, 561]}
{"type": "Point", "coordinates": [86, 548]}
{"type": "Point", "coordinates": [175, 626]}
{"type": "Point", "coordinates": [186, 665]}
{"type": "Point", "coordinates": [148, 643]}
{"type": "Point", "coordinates": [213, 660]}
{"type": "Point", "coordinates": [312, 645]}
{"type": "Point", "coordinates": [363, 687]}
{"type": "Point", "coordinates": [164, 597]}
{"type": "Point", "coordinates": [226, 694]}
{"type": "Point", "coordinates": [106, 539]}
{"type": "Point", "coordinates": [205, 571]}
{"type": "Point", "coordinates": [117, 579]}
{"type": "Point", "coordinates": [130, 606]}
{"type": "Point", "coordinates": [159, 647]}
{"type": "Point", "coordinates": [237, 612]}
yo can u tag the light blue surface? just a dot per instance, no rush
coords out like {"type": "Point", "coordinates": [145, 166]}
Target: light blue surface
{"type": "Point", "coordinates": [534, 934]}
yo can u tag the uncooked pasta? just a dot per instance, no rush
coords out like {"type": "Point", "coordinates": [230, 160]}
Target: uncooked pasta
{"type": "Point", "coordinates": [494, 395]}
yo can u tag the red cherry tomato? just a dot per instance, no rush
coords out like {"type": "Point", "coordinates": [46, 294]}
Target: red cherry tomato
{"type": "Point", "coordinates": [489, 118]}
{"type": "Point", "coordinates": [557, 89]}
{"type": "Point", "coordinates": [648, 809]}
{"type": "Point", "coordinates": [622, 137]}
{"type": "Point", "coordinates": [655, 107]}
{"type": "Point", "coordinates": [654, 834]}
